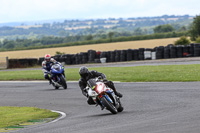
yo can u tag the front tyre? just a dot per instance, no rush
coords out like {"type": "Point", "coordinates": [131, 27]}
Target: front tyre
{"type": "Point", "coordinates": [109, 105]}
{"type": "Point", "coordinates": [63, 82]}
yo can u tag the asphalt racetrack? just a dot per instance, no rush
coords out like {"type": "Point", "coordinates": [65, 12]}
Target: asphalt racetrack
{"type": "Point", "coordinates": [149, 107]}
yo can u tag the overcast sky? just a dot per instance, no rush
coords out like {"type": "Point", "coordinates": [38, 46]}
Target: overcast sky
{"type": "Point", "coordinates": [33, 10]}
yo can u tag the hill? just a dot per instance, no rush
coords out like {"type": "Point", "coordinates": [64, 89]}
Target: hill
{"type": "Point", "coordinates": [98, 27]}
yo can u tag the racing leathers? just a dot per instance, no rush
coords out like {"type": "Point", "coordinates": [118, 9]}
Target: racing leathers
{"type": "Point", "coordinates": [46, 67]}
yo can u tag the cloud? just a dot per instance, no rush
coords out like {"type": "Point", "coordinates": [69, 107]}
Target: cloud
{"type": "Point", "coordinates": [23, 10]}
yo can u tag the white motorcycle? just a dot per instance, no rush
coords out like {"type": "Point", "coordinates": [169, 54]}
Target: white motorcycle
{"type": "Point", "coordinates": [103, 95]}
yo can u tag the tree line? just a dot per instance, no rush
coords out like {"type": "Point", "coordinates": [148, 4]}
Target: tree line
{"type": "Point", "coordinates": [160, 31]}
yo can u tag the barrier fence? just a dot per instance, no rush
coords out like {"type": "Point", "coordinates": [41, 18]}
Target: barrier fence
{"type": "Point", "coordinates": [92, 56]}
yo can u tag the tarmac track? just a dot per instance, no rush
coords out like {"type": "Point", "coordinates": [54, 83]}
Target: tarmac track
{"type": "Point", "coordinates": [149, 107]}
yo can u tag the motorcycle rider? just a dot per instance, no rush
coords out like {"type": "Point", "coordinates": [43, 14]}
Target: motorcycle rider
{"type": "Point", "coordinates": [86, 75]}
{"type": "Point", "coordinates": [46, 66]}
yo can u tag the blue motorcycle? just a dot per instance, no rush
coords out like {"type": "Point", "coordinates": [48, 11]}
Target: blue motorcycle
{"type": "Point", "coordinates": [58, 76]}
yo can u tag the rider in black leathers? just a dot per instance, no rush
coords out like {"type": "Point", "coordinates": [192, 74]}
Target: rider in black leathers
{"type": "Point", "coordinates": [86, 75]}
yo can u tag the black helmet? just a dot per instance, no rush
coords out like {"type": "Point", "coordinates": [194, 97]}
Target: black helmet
{"type": "Point", "coordinates": [83, 71]}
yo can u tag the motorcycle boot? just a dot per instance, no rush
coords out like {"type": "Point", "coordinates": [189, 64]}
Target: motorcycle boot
{"type": "Point", "coordinates": [111, 85]}
{"type": "Point", "coordinates": [47, 77]}
{"type": "Point", "coordinates": [118, 94]}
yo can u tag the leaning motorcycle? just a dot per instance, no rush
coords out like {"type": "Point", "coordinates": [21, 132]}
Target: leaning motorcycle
{"type": "Point", "coordinates": [58, 78]}
{"type": "Point", "coordinates": [103, 95]}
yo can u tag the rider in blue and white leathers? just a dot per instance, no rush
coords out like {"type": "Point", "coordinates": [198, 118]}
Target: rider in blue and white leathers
{"type": "Point", "coordinates": [46, 66]}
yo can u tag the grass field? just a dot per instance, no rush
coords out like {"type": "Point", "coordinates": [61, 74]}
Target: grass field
{"type": "Point", "coordinates": [98, 47]}
{"type": "Point", "coordinates": [168, 73]}
{"type": "Point", "coordinates": [12, 116]}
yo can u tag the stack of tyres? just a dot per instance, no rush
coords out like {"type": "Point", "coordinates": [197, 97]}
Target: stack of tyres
{"type": "Point", "coordinates": [32, 61]}
{"type": "Point", "coordinates": [191, 49]}
{"type": "Point", "coordinates": [166, 52]}
{"type": "Point", "coordinates": [66, 58]}
{"type": "Point", "coordinates": [196, 50]}
{"type": "Point", "coordinates": [77, 61]}
{"type": "Point", "coordinates": [129, 55]}
{"type": "Point", "coordinates": [91, 56]}
{"type": "Point", "coordinates": [173, 52]}
{"type": "Point", "coordinates": [135, 54]}
{"type": "Point", "coordinates": [73, 59]}
{"type": "Point", "coordinates": [186, 51]}
{"type": "Point", "coordinates": [141, 53]}
{"type": "Point", "coordinates": [123, 55]}
{"type": "Point", "coordinates": [57, 58]}
{"type": "Point", "coordinates": [103, 55]}
{"type": "Point", "coordinates": [41, 59]}
{"type": "Point", "coordinates": [108, 54]}
{"type": "Point", "coordinates": [112, 56]}
{"type": "Point", "coordinates": [160, 52]}
{"type": "Point", "coordinates": [84, 57]}
{"type": "Point", "coordinates": [117, 55]}
{"type": "Point", "coordinates": [179, 51]}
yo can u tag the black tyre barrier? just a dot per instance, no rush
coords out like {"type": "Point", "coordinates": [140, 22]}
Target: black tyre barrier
{"type": "Point", "coordinates": [166, 52]}
{"type": "Point", "coordinates": [123, 55]}
{"type": "Point", "coordinates": [196, 50]}
{"type": "Point", "coordinates": [22, 63]}
{"type": "Point", "coordinates": [141, 53]}
{"type": "Point", "coordinates": [186, 50]}
{"type": "Point", "coordinates": [40, 60]}
{"type": "Point", "coordinates": [57, 58]}
{"type": "Point", "coordinates": [129, 55]}
{"type": "Point", "coordinates": [170, 51]}
{"type": "Point", "coordinates": [191, 50]}
{"type": "Point", "coordinates": [66, 58]}
{"type": "Point", "coordinates": [135, 54]}
{"type": "Point", "coordinates": [112, 56]}
{"type": "Point", "coordinates": [160, 52]}
{"type": "Point", "coordinates": [179, 51]}
{"type": "Point", "coordinates": [173, 52]}
{"type": "Point", "coordinates": [97, 61]}
{"type": "Point", "coordinates": [108, 56]}
{"type": "Point", "coordinates": [117, 55]}
{"type": "Point", "coordinates": [91, 56]}
{"type": "Point", "coordinates": [103, 55]}
{"type": "Point", "coordinates": [84, 57]}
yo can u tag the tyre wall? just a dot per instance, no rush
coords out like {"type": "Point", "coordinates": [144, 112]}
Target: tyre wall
{"type": "Point", "coordinates": [92, 56]}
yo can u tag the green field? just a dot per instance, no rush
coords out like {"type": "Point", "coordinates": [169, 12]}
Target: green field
{"type": "Point", "coordinates": [15, 116]}
{"type": "Point", "coordinates": [167, 73]}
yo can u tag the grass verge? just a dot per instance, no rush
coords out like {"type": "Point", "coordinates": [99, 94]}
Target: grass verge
{"type": "Point", "coordinates": [162, 73]}
{"type": "Point", "coordinates": [13, 116]}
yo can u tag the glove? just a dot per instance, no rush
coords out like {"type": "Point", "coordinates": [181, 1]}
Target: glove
{"type": "Point", "coordinates": [84, 91]}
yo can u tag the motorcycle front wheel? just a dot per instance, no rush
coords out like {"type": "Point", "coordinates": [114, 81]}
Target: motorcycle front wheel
{"type": "Point", "coordinates": [63, 82]}
{"type": "Point", "coordinates": [109, 105]}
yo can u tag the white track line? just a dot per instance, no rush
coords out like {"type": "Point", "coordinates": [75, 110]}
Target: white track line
{"type": "Point", "coordinates": [63, 115]}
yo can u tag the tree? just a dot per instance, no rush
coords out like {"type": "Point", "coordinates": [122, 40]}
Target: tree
{"type": "Point", "coordinates": [138, 31]}
{"type": "Point", "coordinates": [182, 41]}
{"type": "Point", "coordinates": [89, 37]}
{"type": "Point", "coordinates": [195, 28]}
{"type": "Point", "coordinates": [110, 35]}
{"type": "Point", "coordinates": [163, 28]}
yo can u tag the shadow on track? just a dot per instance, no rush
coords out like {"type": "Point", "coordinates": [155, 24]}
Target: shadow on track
{"type": "Point", "coordinates": [106, 114]}
{"type": "Point", "coordinates": [54, 89]}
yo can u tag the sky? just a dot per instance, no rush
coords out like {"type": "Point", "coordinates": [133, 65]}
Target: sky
{"type": "Point", "coordinates": [35, 10]}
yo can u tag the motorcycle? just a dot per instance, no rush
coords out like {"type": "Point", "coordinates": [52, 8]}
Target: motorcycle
{"type": "Point", "coordinates": [58, 78]}
{"type": "Point", "coordinates": [103, 95]}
